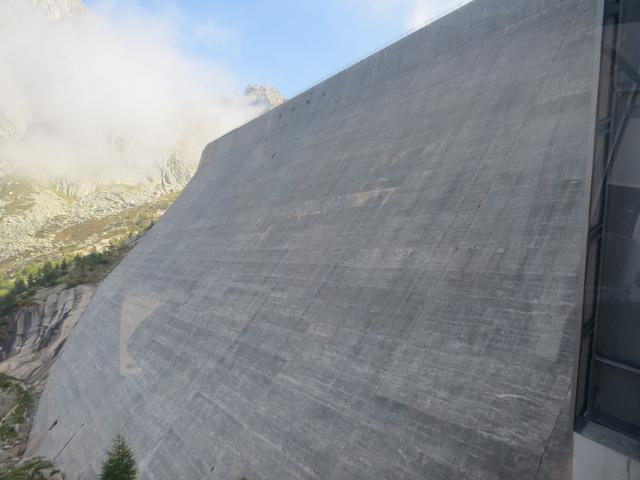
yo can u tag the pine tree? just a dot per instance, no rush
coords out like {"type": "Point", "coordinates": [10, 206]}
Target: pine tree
{"type": "Point", "coordinates": [48, 273]}
{"type": "Point", "coordinates": [19, 286]}
{"type": "Point", "coordinates": [120, 463]}
{"type": "Point", "coordinates": [8, 302]}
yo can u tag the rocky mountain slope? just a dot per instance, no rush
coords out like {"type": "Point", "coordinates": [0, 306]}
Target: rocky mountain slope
{"type": "Point", "coordinates": [37, 332]}
{"type": "Point", "coordinates": [33, 337]}
{"type": "Point", "coordinates": [263, 96]}
{"type": "Point", "coordinates": [58, 216]}
{"type": "Point", "coordinates": [34, 328]}
{"type": "Point", "coordinates": [39, 222]}
{"type": "Point", "coordinates": [46, 215]}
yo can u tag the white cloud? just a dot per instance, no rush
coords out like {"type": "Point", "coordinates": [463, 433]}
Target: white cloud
{"type": "Point", "coordinates": [416, 13]}
{"type": "Point", "coordinates": [426, 11]}
{"type": "Point", "coordinates": [421, 13]}
{"type": "Point", "coordinates": [110, 95]}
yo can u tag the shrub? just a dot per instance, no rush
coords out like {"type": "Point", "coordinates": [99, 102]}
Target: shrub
{"type": "Point", "coordinates": [26, 471]}
{"type": "Point", "coordinates": [24, 400]}
{"type": "Point", "coordinates": [20, 286]}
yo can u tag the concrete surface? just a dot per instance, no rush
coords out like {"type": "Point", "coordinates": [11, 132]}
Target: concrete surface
{"type": "Point", "coordinates": [376, 280]}
{"type": "Point", "coordinates": [594, 461]}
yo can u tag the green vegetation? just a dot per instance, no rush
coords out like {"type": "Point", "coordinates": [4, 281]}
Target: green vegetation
{"type": "Point", "coordinates": [70, 271]}
{"type": "Point", "coordinates": [18, 413]}
{"type": "Point", "coordinates": [29, 470]}
{"type": "Point", "coordinates": [120, 463]}
{"type": "Point", "coordinates": [95, 230]}
{"type": "Point", "coordinates": [67, 237]}
{"type": "Point", "coordinates": [81, 269]}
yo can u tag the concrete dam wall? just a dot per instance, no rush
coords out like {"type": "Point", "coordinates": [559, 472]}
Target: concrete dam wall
{"type": "Point", "coordinates": [376, 280]}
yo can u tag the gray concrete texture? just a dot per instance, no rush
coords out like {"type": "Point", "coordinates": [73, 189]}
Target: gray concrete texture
{"type": "Point", "coordinates": [376, 280]}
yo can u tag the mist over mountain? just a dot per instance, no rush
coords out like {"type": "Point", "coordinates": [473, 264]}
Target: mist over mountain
{"type": "Point", "coordinates": [103, 120]}
{"type": "Point", "coordinates": [91, 98]}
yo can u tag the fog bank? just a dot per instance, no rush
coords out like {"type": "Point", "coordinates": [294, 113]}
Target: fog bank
{"type": "Point", "coordinates": [86, 94]}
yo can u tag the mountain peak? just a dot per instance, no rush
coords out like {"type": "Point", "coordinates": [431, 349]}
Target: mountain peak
{"type": "Point", "coordinates": [264, 96]}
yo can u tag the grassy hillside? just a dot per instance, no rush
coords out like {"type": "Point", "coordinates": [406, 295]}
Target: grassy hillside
{"type": "Point", "coordinates": [40, 224]}
{"type": "Point", "coordinates": [75, 270]}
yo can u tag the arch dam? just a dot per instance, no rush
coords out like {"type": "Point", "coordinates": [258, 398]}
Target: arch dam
{"type": "Point", "coordinates": [377, 280]}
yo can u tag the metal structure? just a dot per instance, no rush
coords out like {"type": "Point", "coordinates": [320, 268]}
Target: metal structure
{"type": "Point", "coordinates": [608, 390]}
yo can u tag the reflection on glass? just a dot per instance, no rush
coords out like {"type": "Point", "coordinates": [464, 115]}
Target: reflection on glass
{"type": "Point", "coordinates": [608, 389]}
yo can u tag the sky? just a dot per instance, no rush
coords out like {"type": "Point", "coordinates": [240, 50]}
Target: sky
{"type": "Point", "coordinates": [289, 44]}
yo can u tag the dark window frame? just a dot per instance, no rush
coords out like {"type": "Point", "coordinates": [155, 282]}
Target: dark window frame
{"type": "Point", "coordinates": [613, 112]}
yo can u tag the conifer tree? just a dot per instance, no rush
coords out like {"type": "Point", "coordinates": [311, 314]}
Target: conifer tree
{"type": "Point", "coordinates": [20, 286]}
{"type": "Point", "coordinates": [120, 463]}
{"type": "Point", "coordinates": [48, 273]}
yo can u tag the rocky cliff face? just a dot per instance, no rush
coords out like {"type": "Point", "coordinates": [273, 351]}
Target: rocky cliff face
{"type": "Point", "coordinates": [264, 96]}
{"type": "Point", "coordinates": [34, 337]}
{"type": "Point", "coordinates": [36, 333]}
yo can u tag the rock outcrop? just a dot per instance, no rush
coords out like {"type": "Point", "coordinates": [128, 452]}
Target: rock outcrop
{"type": "Point", "coordinates": [36, 333]}
{"type": "Point", "coordinates": [264, 96]}
{"type": "Point", "coordinates": [29, 469]}
{"type": "Point", "coordinates": [34, 336]}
